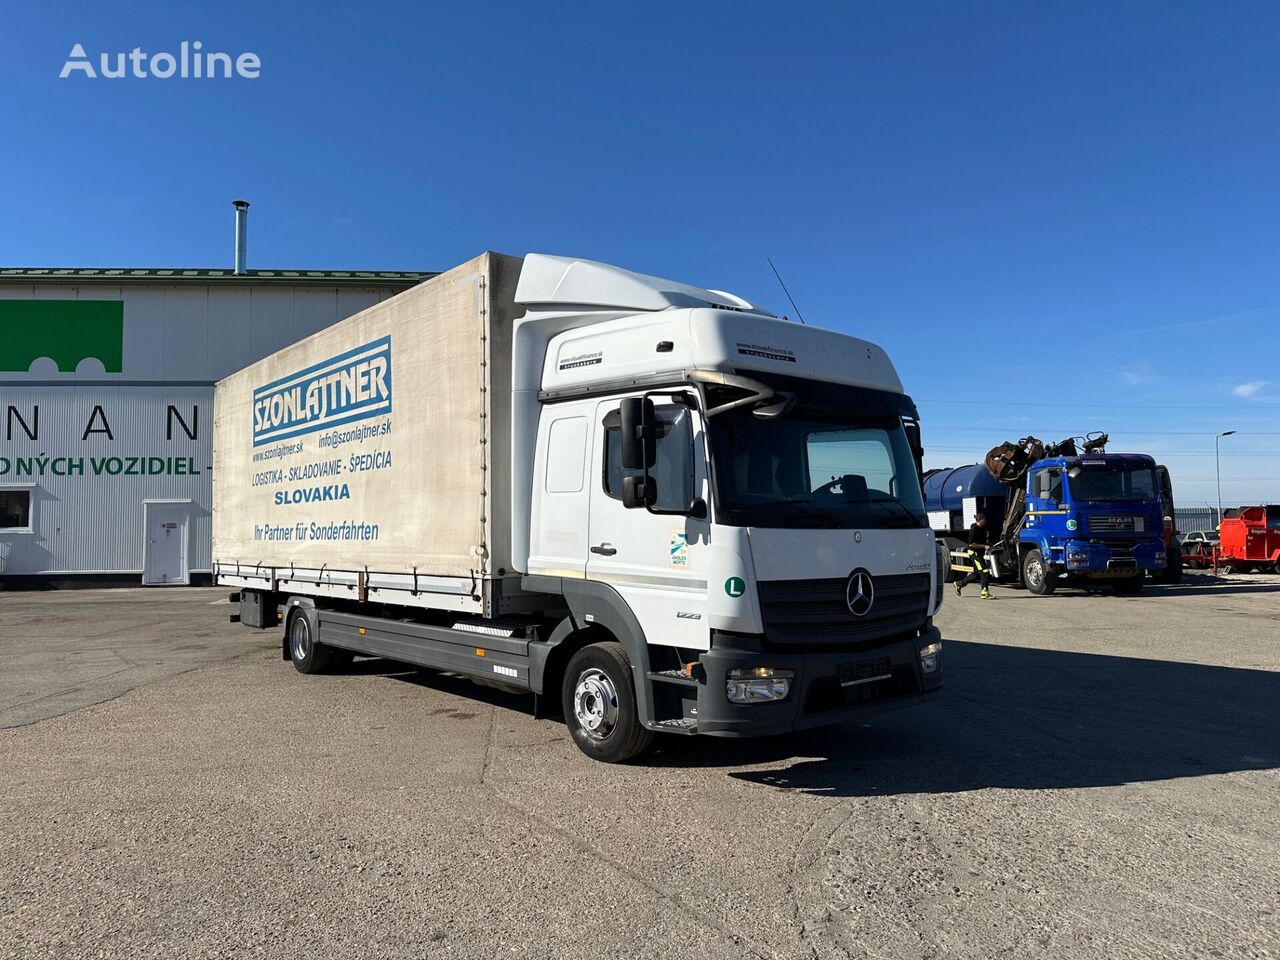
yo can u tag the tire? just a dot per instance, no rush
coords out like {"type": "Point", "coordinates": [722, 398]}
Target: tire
{"type": "Point", "coordinates": [307, 654]}
{"type": "Point", "coordinates": [1173, 572]}
{"type": "Point", "coordinates": [1036, 574]}
{"type": "Point", "coordinates": [599, 700]}
{"type": "Point", "coordinates": [1129, 585]}
{"type": "Point", "coordinates": [950, 543]}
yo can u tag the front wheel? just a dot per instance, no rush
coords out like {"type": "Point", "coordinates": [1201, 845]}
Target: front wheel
{"type": "Point", "coordinates": [1172, 573]}
{"type": "Point", "coordinates": [599, 700]}
{"type": "Point", "coordinates": [1036, 574]}
{"type": "Point", "coordinates": [1129, 585]}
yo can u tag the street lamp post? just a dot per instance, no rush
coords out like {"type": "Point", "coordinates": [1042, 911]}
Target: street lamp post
{"type": "Point", "coordinates": [1217, 468]}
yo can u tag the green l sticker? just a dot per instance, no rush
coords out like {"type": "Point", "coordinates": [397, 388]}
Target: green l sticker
{"type": "Point", "coordinates": [735, 586]}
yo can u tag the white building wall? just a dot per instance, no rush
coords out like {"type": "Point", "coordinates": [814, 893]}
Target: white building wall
{"type": "Point", "coordinates": [87, 492]}
{"type": "Point", "coordinates": [177, 340]}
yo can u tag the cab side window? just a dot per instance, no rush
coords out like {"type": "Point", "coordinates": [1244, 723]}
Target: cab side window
{"type": "Point", "coordinates": [673, 468]}
{"type": "Point", "coordinates": [1048, 485]}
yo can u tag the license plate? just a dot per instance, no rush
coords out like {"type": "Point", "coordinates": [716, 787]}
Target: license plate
{"type": "Point", "coordinates": [864, 671]}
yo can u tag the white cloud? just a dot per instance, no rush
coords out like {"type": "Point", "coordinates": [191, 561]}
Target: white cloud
{"type": "Point", "coordinates": [1250, 388]}
{"type": "Point", "coordinates": [1139, 375]}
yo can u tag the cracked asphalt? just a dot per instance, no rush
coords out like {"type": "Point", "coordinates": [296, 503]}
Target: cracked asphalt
{"type": "Point", "coordinates": [1098, 780]}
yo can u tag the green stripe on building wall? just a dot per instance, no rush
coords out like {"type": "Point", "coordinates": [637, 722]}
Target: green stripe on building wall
{"type": "Point", "coordinates": [65, 331]}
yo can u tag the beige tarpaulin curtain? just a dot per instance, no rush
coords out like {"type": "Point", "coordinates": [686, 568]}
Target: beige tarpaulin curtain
{"type": "Point", "coordinates": [321, 459]}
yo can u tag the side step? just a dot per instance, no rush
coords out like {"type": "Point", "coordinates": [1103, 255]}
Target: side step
{"type": "Point", "coordinates": [673, 677]}
{"type": "Point", "coordinates": [683, 725]}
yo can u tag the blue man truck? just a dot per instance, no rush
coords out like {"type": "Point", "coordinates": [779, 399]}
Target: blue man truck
{"type": "Point", "coordinates": [1062, 516]}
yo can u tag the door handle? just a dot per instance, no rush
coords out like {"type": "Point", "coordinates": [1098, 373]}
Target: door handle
{"type": "Point", "coordinates": [605, 549]}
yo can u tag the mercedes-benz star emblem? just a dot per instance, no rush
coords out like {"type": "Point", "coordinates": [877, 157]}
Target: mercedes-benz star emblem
{"type": "Point", "coordinates": [860, 594]}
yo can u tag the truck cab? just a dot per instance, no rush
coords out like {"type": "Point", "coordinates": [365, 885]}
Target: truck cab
{"type": "Point", "coordinates": [1088, 518]}
{"type": "Point", "coordinates": [733, 497]}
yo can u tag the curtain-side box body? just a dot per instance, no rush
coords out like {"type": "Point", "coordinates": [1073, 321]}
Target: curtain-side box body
{"type": "Point", "coordinates": [371, 460]}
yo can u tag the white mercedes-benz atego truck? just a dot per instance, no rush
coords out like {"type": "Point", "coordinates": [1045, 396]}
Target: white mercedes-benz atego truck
{"type": "Point", "coordinates": [659, 509]}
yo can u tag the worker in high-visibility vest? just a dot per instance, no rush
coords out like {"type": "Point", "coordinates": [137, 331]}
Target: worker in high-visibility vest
{"type": "Point", "coordinates": [979, 542]}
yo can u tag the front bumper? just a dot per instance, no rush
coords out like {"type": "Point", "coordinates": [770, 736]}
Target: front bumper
{"type": "Point", "coordinates": [1084, 558]}
{"type": "Point", "coordinates": [817, 696]}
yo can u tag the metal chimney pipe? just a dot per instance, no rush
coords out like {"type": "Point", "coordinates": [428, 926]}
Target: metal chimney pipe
{"type": "Point", "coordinates": [242, 233]}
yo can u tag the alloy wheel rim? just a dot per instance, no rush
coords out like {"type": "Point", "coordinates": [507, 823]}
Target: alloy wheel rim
{"type": "Point", "coordinates": [1034, 573]}
{"type": "Point", "coordinates": [595, 704]}
{"type": "Point", "coordinates": [299, 638]}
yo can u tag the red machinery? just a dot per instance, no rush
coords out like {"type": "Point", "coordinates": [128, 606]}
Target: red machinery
{"type": "Point", "coordinates": [1250, 537]}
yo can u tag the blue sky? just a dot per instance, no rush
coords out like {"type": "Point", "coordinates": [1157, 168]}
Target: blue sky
{"type": "Point", "coordinates": [1055, 217]}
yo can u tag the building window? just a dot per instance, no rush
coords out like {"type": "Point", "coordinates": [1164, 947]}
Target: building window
{"type": "Point", "coordinates": [15, 510]}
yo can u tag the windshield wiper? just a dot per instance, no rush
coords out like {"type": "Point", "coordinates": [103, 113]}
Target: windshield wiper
{"type": "Point", "coordinates": [800, 501]}
{"type": "Point", "coordinates": [902, 510]}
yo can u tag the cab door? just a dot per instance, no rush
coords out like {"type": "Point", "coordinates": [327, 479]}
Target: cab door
{"type": "Point", "coordinates": [656, 557]}
{"type": "Point", "coordinates": [1045, 502]}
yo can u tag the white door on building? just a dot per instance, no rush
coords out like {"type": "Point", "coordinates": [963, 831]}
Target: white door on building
{"type": "Point", "coordinates": [165, 544]}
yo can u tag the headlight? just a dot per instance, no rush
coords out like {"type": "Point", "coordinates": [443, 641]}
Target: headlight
{"type": "Point", "coordinates": [758, 685]}
{"type": "Point", "coordinates": [929, 654]}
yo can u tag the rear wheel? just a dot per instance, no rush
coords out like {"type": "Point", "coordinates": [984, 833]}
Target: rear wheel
{"type": "Point", "coordinates": [952, 544]}
{"type": "Point", "coordinates": [307, 653]}
{"type": "Point", "coordinates": [599, 700]}
{"type": "Point", "coordinates": [1036, 574]}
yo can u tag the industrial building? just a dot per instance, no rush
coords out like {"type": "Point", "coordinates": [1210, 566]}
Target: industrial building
{"type": "Point", "coordinates": [106, 406]}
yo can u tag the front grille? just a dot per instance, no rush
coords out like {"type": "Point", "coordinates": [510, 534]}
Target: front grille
{"type": "Point", "coordinates": [1113, 524]}
{"type": "Point", "coordinates": [815, 612]}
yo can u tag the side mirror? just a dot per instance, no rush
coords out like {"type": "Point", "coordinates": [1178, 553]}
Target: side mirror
{"type": "Point", "coordinates": [912, 430]}
{"type": "Point", "coordinates": [639, 492]}
{"type": "Point", "coordinates": [639, 433]}
{"type": "Point", "coordinates": [779, 406]}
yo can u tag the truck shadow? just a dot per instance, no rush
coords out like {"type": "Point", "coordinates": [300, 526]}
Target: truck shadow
{"type": "Point", "coordinates": [1028, 719]}
{"type": "Point", "coordinates": [1009, 717]}
{"type": "Point", "coordinates": [1207, 583]}
{"type": "Point", "coordinates": [471, 692]}
{"type": "Point", "coordinates": [1199, 585]}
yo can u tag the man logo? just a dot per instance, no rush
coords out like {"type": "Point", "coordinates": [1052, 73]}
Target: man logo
{"type": "Point", "coordinates": [860, 593]}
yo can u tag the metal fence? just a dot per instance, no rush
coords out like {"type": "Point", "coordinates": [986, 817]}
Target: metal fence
{"type": "Point", "coordinates": [1196, 518]}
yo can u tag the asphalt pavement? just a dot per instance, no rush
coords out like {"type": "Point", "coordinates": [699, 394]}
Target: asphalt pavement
{"type": "Point", "coordinates": [1097, 780]}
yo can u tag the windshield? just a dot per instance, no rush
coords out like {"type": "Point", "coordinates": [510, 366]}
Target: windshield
{"type": "Point", "coordinates": [1093, 484]}
{"type": "Point", "coordinates": [815, 466]}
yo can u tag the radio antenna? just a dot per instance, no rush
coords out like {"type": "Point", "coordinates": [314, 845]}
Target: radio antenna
{"type": "Point", "coordinates": [782, 283]}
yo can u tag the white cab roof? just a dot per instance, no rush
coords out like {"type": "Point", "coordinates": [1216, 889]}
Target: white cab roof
{"type": "Point", "coordinates": [566, 281]}
{"type": "Point", "coordinates": [627, 348]}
